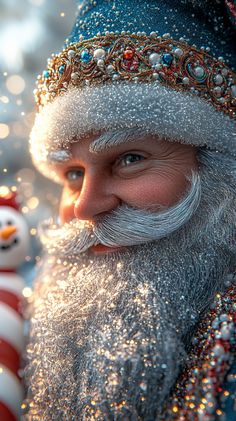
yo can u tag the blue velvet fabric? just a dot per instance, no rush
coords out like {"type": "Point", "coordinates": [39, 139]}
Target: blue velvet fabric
{"type": "Point", "coordinates": [208, 26]}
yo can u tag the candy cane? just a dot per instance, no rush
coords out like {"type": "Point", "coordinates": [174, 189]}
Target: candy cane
{"type": "Point", "coordinates": [11, 345]}
{"type": "Point", "coordinates": [13, 249]}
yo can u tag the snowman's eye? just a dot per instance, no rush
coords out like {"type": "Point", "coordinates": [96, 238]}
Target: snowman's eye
{"type": "Point", "coordinates": [9, 222]}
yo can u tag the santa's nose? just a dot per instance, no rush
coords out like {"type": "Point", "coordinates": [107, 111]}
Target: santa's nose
{"type": "Point", "coordinates": [95, 199]}
{"type": "Point", "coordinates": [6, 232]}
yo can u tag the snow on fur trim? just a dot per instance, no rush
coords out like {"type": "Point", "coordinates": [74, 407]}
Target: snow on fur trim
{"type": "Point", "coordinates": [159, 110]}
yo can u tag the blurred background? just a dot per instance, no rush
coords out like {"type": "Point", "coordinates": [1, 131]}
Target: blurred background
{"type": "Point", "coordinates": [30, 31]}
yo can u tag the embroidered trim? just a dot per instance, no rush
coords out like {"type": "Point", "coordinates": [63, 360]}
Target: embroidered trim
{"type": "Point", "coordinates": [214, 347]}
{"type": "Point", "coordinates": [139, 58]}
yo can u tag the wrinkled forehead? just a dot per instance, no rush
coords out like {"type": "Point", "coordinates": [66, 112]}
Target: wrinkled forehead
{"type": "Point", "coordinates": [99, 142]}
{"type": "Point", "coordinates": [160, 111]}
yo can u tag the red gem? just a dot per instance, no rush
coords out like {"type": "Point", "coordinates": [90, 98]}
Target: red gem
{"type": "Point", "coordinates": [128, 54]}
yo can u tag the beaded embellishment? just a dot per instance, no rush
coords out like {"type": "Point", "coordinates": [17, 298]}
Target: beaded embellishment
{"type": "Point", "coordinates": [140, 58]}
{"type": "Point", "coordinates": [197, 392]}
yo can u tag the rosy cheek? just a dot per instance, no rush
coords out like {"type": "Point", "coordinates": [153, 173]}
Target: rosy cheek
{"type": "Point", "coordinates": [169, 190]}
{"type": "Point", "coordinates": [155, 191]}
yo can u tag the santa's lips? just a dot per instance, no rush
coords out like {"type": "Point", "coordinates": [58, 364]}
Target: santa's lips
{"type": "Point", "coordinates": [5, 247]}
{"type": "Point", "coordinates": [100, 248]}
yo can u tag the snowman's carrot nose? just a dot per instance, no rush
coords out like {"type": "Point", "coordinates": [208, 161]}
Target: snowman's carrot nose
{"type": "Point", "coordinates": [6, 232]}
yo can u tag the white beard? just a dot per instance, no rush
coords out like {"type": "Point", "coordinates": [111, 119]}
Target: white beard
{"type": "Point", "coordinates": [109, 334]}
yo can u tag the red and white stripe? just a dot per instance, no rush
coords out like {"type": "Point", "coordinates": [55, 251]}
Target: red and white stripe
{"type": "Point", "coordinates": [11, 345]}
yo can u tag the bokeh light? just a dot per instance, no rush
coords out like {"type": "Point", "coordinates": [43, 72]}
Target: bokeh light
{"type": "Point", "coordinates": [4, 131]}
{"type": "Point", "coordinates": [27, 292]}
{"type": "Point", "coordinates": [15, 84]}
{"type": "Point", "coordinates": [4, 99]}
{"type": "Point", "coordinates": [4, 191]}
{"type": "Point", "coordinates": [30, 31]}
{"type": "Point", "coordinates": [33, 202]}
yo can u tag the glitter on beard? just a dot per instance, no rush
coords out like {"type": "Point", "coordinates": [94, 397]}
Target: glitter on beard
{"type": "Point", "coordinates": [109, 334]}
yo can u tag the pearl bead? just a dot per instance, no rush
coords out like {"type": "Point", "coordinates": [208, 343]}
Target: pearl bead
{"type": "Point", "coordinates": [199, 71]}
{"type": "Point", "coordinates": [225, 332]}
{"type": "Point", "coordinates": [218, 79]}
{"type": "Point", "coordinates": [71, 53]}
{"type": "Point", "coordinates": [155, 76]}
{"type": "Point", "coordinates": [100, 63]}
{"type": "Point", "coordinates": [158, 66]}
{"type": "Point", "coordinates": [185, 80]}
{"type": "Point", "coordinates": [217, 90]}
{"type": "Point", "coordinates": [233, 91]}
{"type": "Point", "coordinates": [224, 72]}
{"type": "Point", "coordinates": [110, 68]}
{"type": "Point", "coordinates": [154, 58]}
{"type": "Point", "coordinates": [99, 53]}
{"type": "Point", "coordinates": [166, 36]}
{"type": "Point", "coordinates": [178, 52]}
{"type": "Point", "coordinates": [153, 34]}
{"type": "Point", "coordinates": [218, 350]}
{"type": "Point", "coordinates": [224, 318]}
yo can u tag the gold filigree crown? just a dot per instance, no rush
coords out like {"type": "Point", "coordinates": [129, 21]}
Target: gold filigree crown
{"type": "Point", "coordinates": [140, 58]}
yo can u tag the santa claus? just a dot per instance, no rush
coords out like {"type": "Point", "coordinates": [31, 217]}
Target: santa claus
{"type": "Point", "coordinates": [134, 307]}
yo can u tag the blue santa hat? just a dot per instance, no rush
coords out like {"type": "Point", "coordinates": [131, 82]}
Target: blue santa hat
{"type": "Point", "coordinates": [166, 66]}
{"type": "Point", "coordinates": [203, 23]}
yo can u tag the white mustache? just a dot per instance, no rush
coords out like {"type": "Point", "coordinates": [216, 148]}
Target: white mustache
{"type": "Point", "coordinates": [124, 226]}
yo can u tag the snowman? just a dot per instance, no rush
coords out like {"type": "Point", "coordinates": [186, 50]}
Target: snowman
{"type": "Point", "coordinates": [14, 243]}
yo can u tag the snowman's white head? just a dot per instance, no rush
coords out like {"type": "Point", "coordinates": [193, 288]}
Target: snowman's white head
{"type": "Point", "coordinates": [14, 238]}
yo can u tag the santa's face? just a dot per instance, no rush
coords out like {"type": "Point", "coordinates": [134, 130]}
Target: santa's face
{"type": "Point", "coordinates": [14, 238]}
{"type": "Point", "coordinates": [145, 173]}
{"type": "Point", "coordinates": [116, 327]}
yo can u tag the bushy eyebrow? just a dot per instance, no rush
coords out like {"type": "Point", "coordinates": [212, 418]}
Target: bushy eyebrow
{"type": "Point", "coordinates": [106, 141]}
{"type": "Point", "coordinates": [59, 157]}
{"type": "Point", "coordinates": [113, 138]}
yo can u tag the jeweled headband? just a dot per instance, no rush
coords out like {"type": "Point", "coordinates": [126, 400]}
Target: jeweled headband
{"type": "Point", "coordinates": [140, 58]}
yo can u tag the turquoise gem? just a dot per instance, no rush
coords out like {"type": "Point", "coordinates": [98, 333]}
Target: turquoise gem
{"type": "Point", "coordinates": [85, 56]}
{"type": "Point", "coordinates": [61, 69]}
{"type": "Point", "coordinates": [167, 59]}
{"type": "Point", "coordinates": [46, 74]}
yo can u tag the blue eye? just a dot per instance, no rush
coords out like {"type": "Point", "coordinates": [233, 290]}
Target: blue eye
{"type": "Point", "coordinates": [130, 158]}
{"type": "Point", "coordinates": [73, 175]}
